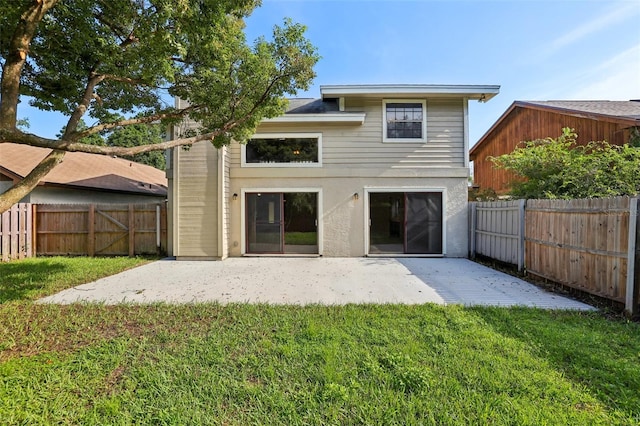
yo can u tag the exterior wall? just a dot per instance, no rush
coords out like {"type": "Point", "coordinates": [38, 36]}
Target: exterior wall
{"type": "Point", "coordinates": [52, 195]}
{"type": "Point", "coordinates": [355, 158]}
{"type": "Point", "coordinates": [208, 222]}
{"type": "Point", "coordinates": [361, 146]}
{"type": "Point", "coordinates": [342, 217]}
{"type": "Point", "coordinates": [225, 204]}
{"type": "Point", "coordinates": [525, 124]}
{"type": "Point", "coordinates": [195, 202]}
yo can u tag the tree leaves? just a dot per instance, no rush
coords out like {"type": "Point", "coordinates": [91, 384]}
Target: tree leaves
{"type": "Point", "coordinates": [559, 168]}
{"type": "Point", "coordinates": [120, 63]}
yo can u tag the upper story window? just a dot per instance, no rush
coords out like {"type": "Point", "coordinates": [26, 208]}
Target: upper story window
{"type": "Point", "coordinates": [283, 150]}
{"type": "Point", "coordinates": [404, 121]}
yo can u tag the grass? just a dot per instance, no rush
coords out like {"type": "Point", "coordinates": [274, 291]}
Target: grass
{"type": "Point", "coordinates": [301, 238]}
{"type": "Point", "coordinates": [33, 278]}
{"type": "Point", "coordinates": [258, 364]}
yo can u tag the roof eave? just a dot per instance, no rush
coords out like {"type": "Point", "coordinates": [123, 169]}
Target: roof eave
{"type": "Point", "coordinates": [342, 117]}
{"type": "Point", "coordinates": [474, 92]}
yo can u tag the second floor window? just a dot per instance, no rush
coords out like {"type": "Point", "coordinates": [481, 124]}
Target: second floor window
{"type": "Point", "coordinates": [292, 150]}
{"type": "Point", "coordinates": [404, 121]}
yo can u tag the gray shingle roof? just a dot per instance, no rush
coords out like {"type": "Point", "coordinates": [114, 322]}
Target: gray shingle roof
{"type": "Point", "coordinates": [622, 109]}
{"type": "Point", "coordinates": [312, 106]}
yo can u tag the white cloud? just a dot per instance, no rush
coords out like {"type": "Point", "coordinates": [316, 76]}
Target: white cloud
{"type": "Point", "coordinates": [618, 78]}
{"type": "Point", "coordinates": [622, 13]}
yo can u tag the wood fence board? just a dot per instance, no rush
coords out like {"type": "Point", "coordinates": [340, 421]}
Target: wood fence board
{"type": "Point", "coordinates": [16, 232]}
{"type": "Point", "coordinates": [496, 230]}
{"type": "Point", "coordinates": [579, 243]}
{"type": "Point", "coordinates": [100, 229]}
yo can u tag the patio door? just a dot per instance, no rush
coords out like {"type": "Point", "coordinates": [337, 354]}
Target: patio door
{"type": "Point", "coordinates": [405, 223]}
{"type": "Point", "coordinates": [282, 223]}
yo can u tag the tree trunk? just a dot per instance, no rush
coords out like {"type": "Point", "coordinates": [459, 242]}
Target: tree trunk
{"type": "Point", "coordinates": [26, 185]}
{"type": "Point", "coordinates": [16, 58]}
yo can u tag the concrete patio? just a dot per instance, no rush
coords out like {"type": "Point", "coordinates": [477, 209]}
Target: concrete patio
{"type": "Point", "coordinates": [317, 280]}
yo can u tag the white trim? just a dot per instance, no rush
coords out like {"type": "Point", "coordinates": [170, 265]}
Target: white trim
{"type": "Point", "coordinates": [277, 190]}
{"type": "Point", "coordinates": [378, 189]}
{"type": "Point", "coordinates": [243, 150]}
{"type": "Point", "coordinates": [477, 92]}
{"type": "Point", "coordinates": [404, 140]}
{"type": "Point", "coordinates": [327, 117]}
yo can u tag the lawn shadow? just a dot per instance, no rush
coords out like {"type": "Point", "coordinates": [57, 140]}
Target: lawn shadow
{"type": "Point", "coordinates": [18, 279]}
{"type": "Point", "coordinates": [588, 348]}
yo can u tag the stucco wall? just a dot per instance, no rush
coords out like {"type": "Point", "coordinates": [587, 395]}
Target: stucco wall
{"type": "Point", "coordinates": [343, 217]}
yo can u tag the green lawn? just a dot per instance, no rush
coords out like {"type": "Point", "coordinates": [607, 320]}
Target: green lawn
{"type": "Point", "coordinates": [257, 364]}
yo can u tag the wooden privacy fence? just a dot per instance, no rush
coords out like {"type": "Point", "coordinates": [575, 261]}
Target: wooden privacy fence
{"type": "Point", "coordinates": [100, 229]}
{"type": "Point", "coordinates": [16, 232]}
{"type": "Point", "coordinates": [498, 231]}
{"type": "Point", "coordinates": [83, 230]}
{"type": "Point", "coordinates": [591, 245]}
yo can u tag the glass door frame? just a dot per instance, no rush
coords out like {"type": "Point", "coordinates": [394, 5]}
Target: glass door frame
{"type": "Point", "coordinates": [243, 215]}
{"type": "Point", "coordinates": [403, 189]}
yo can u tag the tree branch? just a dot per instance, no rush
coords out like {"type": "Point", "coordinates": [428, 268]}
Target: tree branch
{"type": "Point", "coordinates": [140, 120]}
{"type": "Point", "coordinates": [82, 107]}
{"type": "Point", "coordinates": [19, 137]}
{"type": "Point", "coordinates": [26, 185]}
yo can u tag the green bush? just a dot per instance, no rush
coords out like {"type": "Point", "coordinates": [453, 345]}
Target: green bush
{"type": "Point", "coordinates": [559, 168]}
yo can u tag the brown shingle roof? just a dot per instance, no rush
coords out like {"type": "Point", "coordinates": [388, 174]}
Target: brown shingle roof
{"type": "Point", "coordinates": [88, 171]}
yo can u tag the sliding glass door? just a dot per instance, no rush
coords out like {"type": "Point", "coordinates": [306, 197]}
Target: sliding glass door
{"type": "Point", "coordinates": [282, 223]}
{"type": "Point", "coordinates": [405, 223]}
{"type": "Point", "coordinates": [264, 223]}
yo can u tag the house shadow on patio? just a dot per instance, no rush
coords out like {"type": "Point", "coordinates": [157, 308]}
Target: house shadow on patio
{"type": "Point", "coordinates": [461, 281]}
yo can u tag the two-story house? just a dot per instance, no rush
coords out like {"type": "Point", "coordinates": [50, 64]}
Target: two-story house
{"type": "Point", "coordinates": [366, 170]}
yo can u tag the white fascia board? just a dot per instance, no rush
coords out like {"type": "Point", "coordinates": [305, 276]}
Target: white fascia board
{"type": "Point", "coordinates": [349, 117]}
{"type": "Point", "coordinates": [476, 92]}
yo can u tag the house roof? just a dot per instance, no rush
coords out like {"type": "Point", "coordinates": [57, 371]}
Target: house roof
{"type": "Point", "coordinates": [309, 110]}
{"type": "Point", "coordinates": [615, 109]}
{"type": "Point", "coordinates": [312, 106]}
{"type": "Point", "coordinates": [478, 92]}
{"type": "Point", "coordinates": [623, 112]}
{"type": "Point", "coordinates": [85, 171]}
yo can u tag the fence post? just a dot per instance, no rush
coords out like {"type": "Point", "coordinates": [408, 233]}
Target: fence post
{"type": "Point", "coordinates": [34, 230]}
{"type": "Point", "coordinates": [13, 232]}
{"type": "Point", "coordinates": [633, 260]}
{"type": "Point", "coordinates": [4, 236]}
{"type": "Point", "coordinates": [158, 229]}
{"type": "Point", "coordinates": [472, 229]}
{"type": "Point", "coordinates": [521, 247]}
{"type": "Point", "coordinates": [132, 235]}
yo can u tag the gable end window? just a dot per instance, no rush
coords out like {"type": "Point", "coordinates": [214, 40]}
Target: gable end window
{"type": "Point", "coordinates": [283, 150]}
{"type": "Point", "coordinates": [404, 121]}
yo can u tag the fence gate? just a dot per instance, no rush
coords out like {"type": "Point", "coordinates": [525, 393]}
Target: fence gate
{"type": "Point", "coordinates": [100, 229]}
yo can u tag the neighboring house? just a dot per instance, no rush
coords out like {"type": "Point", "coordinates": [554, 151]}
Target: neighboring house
{"type": "Point", "coordinates": [366, 170]}
{"type": "Point", "coordinates": [82, 178]}
{"type": "Point", "coordinates": [613, 121]}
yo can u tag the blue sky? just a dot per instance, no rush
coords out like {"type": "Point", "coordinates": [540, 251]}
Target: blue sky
{"type": "Point", "coordinates": [535, 50]}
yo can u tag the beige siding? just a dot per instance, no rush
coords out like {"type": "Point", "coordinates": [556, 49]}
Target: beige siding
{"type": "Point", "coordinates": [197, 202]}
{"type": "Point", "coordinates": [354, 159]}
{"type": "Point", "coordinates": [226, 197]}
{"type": "Point", "coordinates": [362, 146]}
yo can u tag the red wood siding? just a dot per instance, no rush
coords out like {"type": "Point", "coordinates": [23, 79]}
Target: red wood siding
{"type": "Point", "coordinates": [524, 124]}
